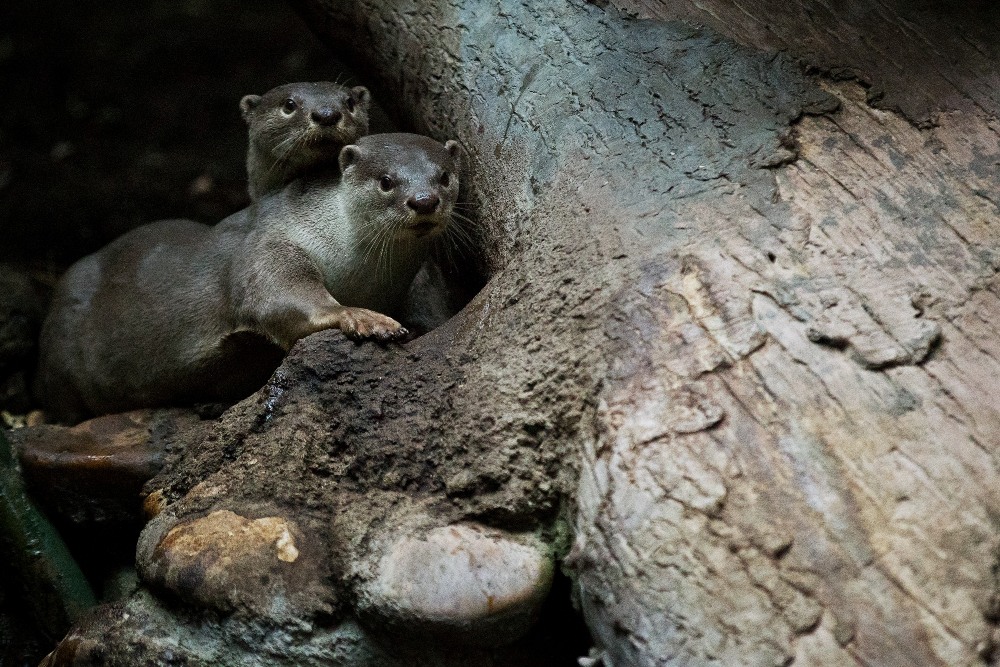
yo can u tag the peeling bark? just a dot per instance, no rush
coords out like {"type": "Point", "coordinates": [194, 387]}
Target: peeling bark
{"type": "Point", "coordinates": [737, 333]}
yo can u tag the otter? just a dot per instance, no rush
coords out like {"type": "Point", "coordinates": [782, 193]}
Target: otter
{"type": "Point", "coordinates": [298, 127]}
{"type": "Point", "coordinates": [176, 312]}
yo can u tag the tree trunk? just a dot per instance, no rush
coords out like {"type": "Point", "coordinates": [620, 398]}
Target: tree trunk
{"type": "Point", "coordinates": [736, 336]}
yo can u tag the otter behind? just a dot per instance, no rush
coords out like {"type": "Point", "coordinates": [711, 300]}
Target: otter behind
{"type": "Point", "coordinates": [177, 312]}
{"type": "Point", "coordinates": [298, 128]}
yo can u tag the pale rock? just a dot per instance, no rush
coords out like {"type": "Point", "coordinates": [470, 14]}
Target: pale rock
{"type": "Point", "coordinates": [235, 564]}
{"type": "Point", "coordinates": [467, 582]}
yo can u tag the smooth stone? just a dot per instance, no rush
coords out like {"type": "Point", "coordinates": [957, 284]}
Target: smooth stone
{"type": "Point", "coordinates": [229, 562]}
{"type": "Point", "coordinates": [466, 582]}
{"type": "Point", "coordinates": [93, 473]}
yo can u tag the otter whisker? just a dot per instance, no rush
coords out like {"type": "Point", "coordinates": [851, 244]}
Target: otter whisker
{"type": "Point", "coordinates": [460, 233]}
{"type": "Point", "coordinates": [386, 252]}
{"type": "Point", "coordinates": [463, 218]}
{"type": "Point", "coordinates": [375, 248]}
{"type": "Point", "coordinates": [372, 240]}
{"type": "Point", "coordinates": [282, 153]}
{"type": "Point", "coordinates": [364, 247]}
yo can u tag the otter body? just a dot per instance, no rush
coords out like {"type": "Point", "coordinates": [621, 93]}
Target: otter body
{"type": "Point", "coordinates": [298, 128]}
{"type": "Point", "coordinates": [177, 312]}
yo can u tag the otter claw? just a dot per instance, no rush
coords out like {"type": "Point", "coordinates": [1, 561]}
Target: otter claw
{"type": "Point", "coordinates": [393, 335]}
{"type": "Point", "coordinates": [361, 324]}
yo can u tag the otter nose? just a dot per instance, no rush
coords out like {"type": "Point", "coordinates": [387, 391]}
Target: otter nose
{"type": "Point", "coordinates": [424, 202]}
{"type": "Point", "coordinates": [325, 116]}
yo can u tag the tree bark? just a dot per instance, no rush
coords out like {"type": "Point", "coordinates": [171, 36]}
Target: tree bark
{"type": "Point", "coordinates": [736, 335]}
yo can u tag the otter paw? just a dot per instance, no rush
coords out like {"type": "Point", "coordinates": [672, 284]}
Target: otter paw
{"type": "Point", "coordinates": [360, 323]}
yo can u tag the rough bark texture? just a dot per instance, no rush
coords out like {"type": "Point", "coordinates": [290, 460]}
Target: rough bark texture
{"type": "Point", "coordinates": [737, 331]}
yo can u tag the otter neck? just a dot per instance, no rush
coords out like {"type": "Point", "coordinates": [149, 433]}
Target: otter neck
{"type": "Point", "coordinates": [384, 268]}
{"type": "Point", "coordinates": [362, 264]}
{"type": "Point", "coordinates": [262, 178]}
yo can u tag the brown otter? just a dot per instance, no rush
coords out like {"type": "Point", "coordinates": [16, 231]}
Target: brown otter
{"type": "Point", "coordinates": [177, 312]}
{"type": "Point", "coordinates": [299, 127]}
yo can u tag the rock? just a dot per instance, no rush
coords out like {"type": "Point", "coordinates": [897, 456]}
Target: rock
{"type": "Point", "coordinates": [466, 583]}
{"type": "Point", "coordinates": [232, 563]}
{"type": "Point", "coordinates": [225, 641]}
{"type": "Point", "coordinates": [72, 650]}
{"type": "Point", "coordinates": [93, 473]}
{"type": "Point", "coordinates": [431, 596]}
{"type": "Point", "coordinates": [154, 503]}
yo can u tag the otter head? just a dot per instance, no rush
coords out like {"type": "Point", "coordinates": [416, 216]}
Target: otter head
{"type": "Point", "coordinates": [304, 122]}
{"type": "Point", "coordinates": [404, 183]}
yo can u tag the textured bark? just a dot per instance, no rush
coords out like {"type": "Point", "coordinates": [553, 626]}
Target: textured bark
{"type": "Point", "coordinates": [737, 331]}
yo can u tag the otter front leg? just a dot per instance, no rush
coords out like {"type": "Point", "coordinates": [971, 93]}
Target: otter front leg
{"type": "Point", "coordinates": [357, 323]}
{"type": "Point", "coordinates": [296, 315]}
{"type": "Point", "coordinates": [282, 296]}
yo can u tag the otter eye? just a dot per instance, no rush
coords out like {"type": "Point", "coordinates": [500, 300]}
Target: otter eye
{"type": "Point", "coordinates": [289, 106]}
{"type": "Point", "coordinates": [350, 104]}
{"type": "Point", "coordinates": [446, 179]}
{"type": "Point", "coordinates": [386, 183]}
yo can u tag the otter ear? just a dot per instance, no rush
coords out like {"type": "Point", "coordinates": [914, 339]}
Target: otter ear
{"type": "Point", "coordinates": [454, 150]}
{"type": "Point", "coordinates": [349, 155]}
{"type": "Point", "coordinates": [248, 104]}
{"type": "Point", "coordinates": [362, 95]}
